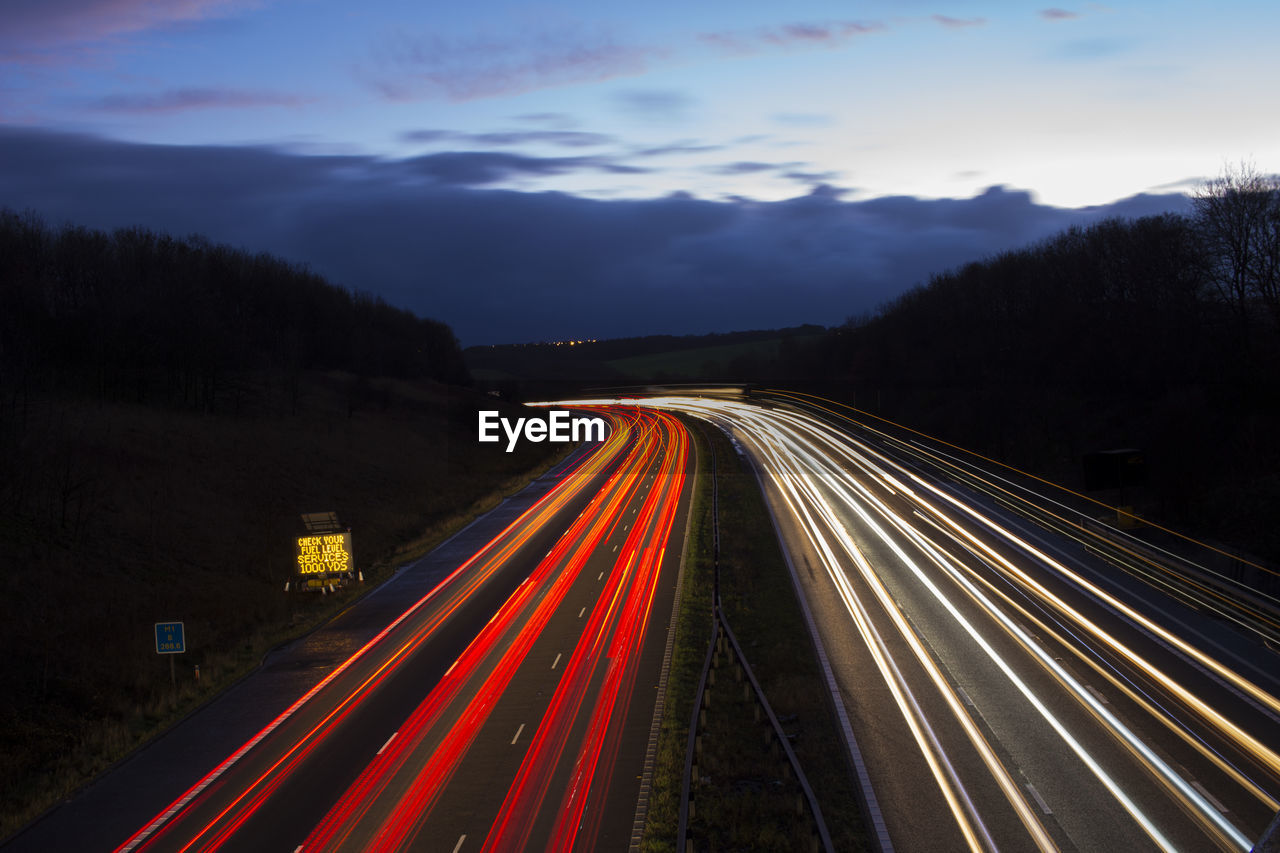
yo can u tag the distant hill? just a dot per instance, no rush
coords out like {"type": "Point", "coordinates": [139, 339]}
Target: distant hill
{"type": "Point", "coordinates": [735, 356]}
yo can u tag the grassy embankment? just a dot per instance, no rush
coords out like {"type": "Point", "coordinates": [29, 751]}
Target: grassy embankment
{"type": "Point", "coordinates": [745, 799]}
{"type": "Point", "coordinates": [136, 514]}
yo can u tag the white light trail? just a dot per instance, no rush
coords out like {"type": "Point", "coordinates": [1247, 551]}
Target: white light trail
{"type": "Point", "coordinates": [822, 472]}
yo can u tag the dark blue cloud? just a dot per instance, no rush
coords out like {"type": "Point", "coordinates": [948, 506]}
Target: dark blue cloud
{"type": "Point", "coordinates": [558, 138]}
{"type": "Point", "coordinates": [664, 105]}
{"type": "Point", "coordinates": [476, 168]}
{"type": "Point", "coordinates": [743, 167]}
{"type": "Point", "coordinates": [503, 266]}
{"type": "Point", "coordinates": [681, 147]}
{"type": "Point", "coordinates": [811, 177]}
{"type": "Point", "coordinates": [557, 120]}
{"type": "Point", "coordinates": [1083, 50]}
{"type": "Point", "coordinates": [181, 100]}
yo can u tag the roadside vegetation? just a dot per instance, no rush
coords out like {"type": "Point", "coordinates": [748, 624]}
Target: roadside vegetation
{"type": "Point", "coordinates": [693, 631]}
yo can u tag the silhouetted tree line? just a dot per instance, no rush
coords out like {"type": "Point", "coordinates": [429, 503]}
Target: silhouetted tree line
{"type": "Point", "coordinates": [1129, 305]}
{"type": "Point", "coordinates": [1161, 333]}
{"type": "Point", "coordinates": [1118, 304]}
{"type": "Point", "coordinates": [133, 314]}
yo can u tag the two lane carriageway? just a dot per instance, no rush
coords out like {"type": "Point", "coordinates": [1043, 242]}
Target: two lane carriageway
{"type": "Point", "coordinates": [510, 708]}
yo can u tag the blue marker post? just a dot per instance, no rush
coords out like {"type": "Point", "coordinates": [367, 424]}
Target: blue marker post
{"type": "Point", "coordinates": [170, 640]}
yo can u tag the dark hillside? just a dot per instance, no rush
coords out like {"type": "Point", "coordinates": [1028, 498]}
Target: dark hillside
{"type": "Point", "coordinates": [135, 315]}
{"type": "Point", "coordinates": [547, 369]}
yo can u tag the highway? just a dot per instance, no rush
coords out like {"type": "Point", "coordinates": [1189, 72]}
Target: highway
{"type": "Point", "coordinates": [1002, 686]}
{"type": "Point", "coordinates": [509, 708]}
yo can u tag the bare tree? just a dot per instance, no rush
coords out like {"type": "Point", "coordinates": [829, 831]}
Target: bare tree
{"type": "Point", "coordinates": [1267, 263]}
{"type": "Point", "coordinates": [1238, 217]}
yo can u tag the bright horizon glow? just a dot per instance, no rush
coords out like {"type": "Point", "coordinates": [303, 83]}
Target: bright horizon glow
{"type": "Point", "coordinates": [1081, 105]}
{"type": "Point", "coordinates": [645, 169]}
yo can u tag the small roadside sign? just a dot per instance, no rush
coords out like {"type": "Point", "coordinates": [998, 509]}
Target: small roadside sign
{"type": "Point", "coordinates": [170, 639]}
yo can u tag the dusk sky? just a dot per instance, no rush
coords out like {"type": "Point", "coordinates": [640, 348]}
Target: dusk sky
{"type": "Point", "coordinates": [567, 169]}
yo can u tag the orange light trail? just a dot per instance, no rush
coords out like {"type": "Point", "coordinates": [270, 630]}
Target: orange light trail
{"type": "Point", "coordinates": [452, 591]}
{"type": "Point", "coordinates": [445, 725]}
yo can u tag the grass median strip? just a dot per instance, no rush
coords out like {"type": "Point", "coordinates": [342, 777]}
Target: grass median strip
{"type": "Point", "coordinates": [744, 795]}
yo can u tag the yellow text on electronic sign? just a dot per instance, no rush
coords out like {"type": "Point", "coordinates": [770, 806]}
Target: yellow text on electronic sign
{"type": "Point", "coordinates": [325, 554]}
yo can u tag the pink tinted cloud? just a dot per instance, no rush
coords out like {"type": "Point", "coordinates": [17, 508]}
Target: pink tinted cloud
{"type": "Point", "coordinates": [789, 35]}
{"type": "Point", "coordinates": [959, 23]}
{"type": "Point", "coordinates": [432, 67]}
{"type": "Point", "coordinates": [34, 28]}
{"type": "Point", "coordinates": [1058, 14]}
{"type": "Point", "coordinates": [181, 100]}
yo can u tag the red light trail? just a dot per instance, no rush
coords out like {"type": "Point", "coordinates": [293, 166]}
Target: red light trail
{"type": "Point", "coordinates": [632, 485]}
